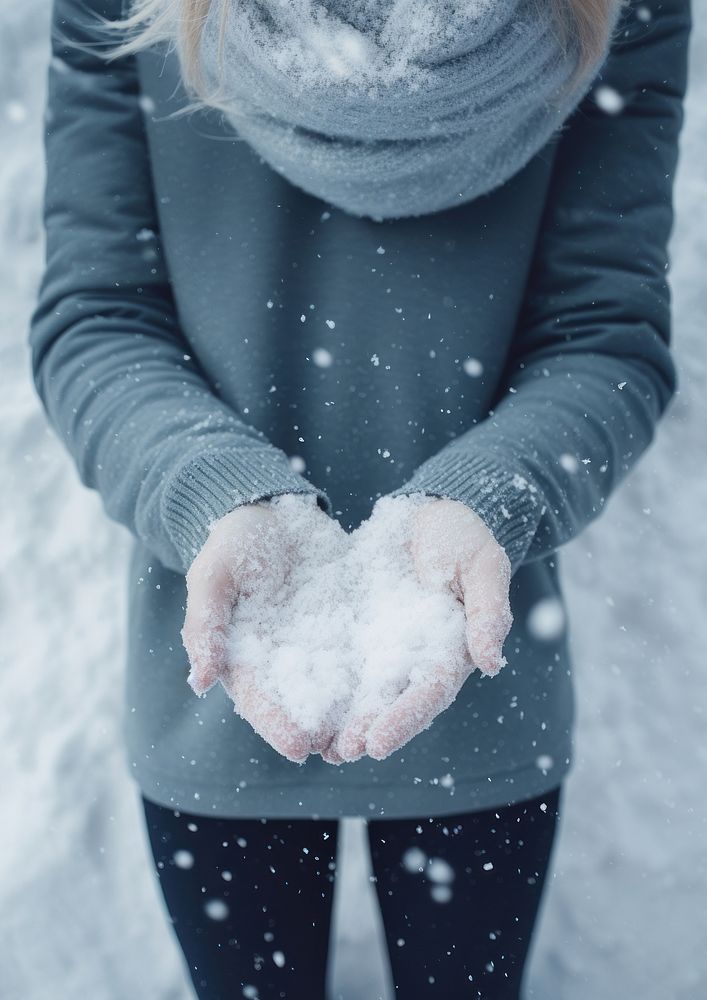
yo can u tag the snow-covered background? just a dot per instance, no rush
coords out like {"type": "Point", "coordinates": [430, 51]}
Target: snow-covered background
{"type": "Point", "coordinates": [80, 912]}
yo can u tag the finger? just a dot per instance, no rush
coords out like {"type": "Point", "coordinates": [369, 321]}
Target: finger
{"type": "Point", "coordinates": [268, 719]}
{"type": "Point", "coordinates": [350, 744]}
{"type": "Point", "coordinates": [211, 596]}
{"type": "Point", "coordinates": [326, 735]}
{"type": "Point", "coordinates": [328, 730]}
{"type": "Point", "coordinates": [411, 713]}
{"type": "Point", "coordinates": [331, 756]}
{"type": "Point", "coordinates": [329, 753]}
{"type": "Point", "coordinates": [323, 737]}
{"type": "Point", "coordinates": [485, 591]}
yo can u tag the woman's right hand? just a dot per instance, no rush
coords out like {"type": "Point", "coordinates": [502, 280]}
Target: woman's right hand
{"type": "Point", "coordinates": [246, 547]}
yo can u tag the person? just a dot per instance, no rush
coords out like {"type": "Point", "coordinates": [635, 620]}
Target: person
{"type": "Point", "coordinates": [296, 286]}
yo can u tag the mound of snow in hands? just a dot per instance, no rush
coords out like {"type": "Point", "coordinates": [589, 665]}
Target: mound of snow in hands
{"type": "Point", "coordinates": [351, 626]}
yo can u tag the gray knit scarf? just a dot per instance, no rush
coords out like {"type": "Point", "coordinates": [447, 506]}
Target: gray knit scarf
{"type": "Point", "coordinates": [391, 108]}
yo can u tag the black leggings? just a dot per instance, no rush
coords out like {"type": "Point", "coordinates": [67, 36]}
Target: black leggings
{"type": "Point", "coordinates": [250, 900]}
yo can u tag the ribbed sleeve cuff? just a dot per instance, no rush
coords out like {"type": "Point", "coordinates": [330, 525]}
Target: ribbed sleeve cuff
{"type": "Point", "coordinates": [506, 501]}
{"type": "Point", "coordinates": [216, 482]}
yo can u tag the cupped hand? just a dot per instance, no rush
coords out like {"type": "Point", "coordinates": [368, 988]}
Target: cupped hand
{"type": "Point", "coordinates": [246, 548]}
{"type": "Point", "coordinates": [451, 547]}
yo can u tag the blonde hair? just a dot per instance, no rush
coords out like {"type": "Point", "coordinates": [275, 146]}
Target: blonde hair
{"type": "Point", "coordinates": [585, 23]}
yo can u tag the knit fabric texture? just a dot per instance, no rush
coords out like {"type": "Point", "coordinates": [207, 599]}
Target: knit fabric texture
{"type": "Point", "coordinates": [391, 109]}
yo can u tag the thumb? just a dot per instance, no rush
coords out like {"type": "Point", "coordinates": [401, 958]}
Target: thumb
{"type": "Point", "coordinates": [210, 602]}
{"type": "Point", "coordinates": [485, 587]}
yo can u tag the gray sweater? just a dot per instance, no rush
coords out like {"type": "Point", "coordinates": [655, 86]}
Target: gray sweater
{"type": "Point", "coordinates": [512, 353]}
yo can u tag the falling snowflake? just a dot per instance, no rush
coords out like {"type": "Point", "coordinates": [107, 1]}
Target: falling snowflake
{"type": "Point", "coordinates": [473, 367]}
{"type": "Point", "coordinates": [569, 462]}
{"type": "Point", "coordinates": [216, 909]}
{"type": "Point", "coordinates": [321, 357]}
{"type": "Point", "coordinates": [609, 99]}
{"type": "Point", "coordinates": [439, 870]}
{"type": "Point", "coordinates": [546, 619]}
{"type": "Point", "coordinates": [414, 860]}
{"type": "Point", "coordinates": [183, 859]}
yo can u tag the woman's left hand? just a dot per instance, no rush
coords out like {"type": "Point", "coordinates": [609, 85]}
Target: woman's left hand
{"type": "Point", "coordinates": [451, 547]}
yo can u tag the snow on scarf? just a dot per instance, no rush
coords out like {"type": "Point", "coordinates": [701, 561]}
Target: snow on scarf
{"type": "Point", "coordinates": [391, 108]}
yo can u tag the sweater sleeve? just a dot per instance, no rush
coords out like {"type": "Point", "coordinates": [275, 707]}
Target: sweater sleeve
{"type": "Point", "coordinates": [590, 372]}
{"type": "Point", "coordinates": [113, 371]}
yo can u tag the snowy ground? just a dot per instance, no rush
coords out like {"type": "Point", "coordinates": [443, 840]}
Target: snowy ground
{"type": "Point", "coordinates": [626, 913]}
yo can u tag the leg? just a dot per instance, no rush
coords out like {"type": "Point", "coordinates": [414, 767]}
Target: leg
{"type": "Point", "coordinates": [249, 900]}
{"type": "Point", "coordinates": [459, 896]}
